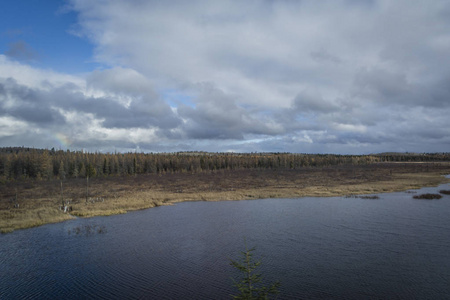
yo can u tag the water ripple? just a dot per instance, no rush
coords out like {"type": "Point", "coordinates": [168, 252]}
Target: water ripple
{"type": "Point", "coordinates": [319, 248]}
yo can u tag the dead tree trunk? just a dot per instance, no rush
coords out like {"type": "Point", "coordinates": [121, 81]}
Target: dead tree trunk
{"type": "Point", "coordinates": [62, 198]}
{"type": "Point", "coordinates": [87, 188]}
{"type": "Point", "coordinates": [16, 203]}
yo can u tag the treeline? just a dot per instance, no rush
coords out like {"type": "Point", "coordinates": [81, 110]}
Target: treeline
{"type": "Point", "coordinates": [24, 163]}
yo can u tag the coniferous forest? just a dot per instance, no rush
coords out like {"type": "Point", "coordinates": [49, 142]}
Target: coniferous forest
{"type": "Point", "coordinates": [19, 163]}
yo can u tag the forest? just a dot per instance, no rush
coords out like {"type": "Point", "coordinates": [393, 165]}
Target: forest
{"type": "Point", "coordinates": [21, 163]}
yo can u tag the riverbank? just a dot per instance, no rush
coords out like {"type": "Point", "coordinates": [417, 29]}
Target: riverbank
{"type": "Point", "coordinates": [39, 201]}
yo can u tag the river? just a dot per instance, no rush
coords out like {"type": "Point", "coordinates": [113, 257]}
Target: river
{"type": "Point", "coordinates": [318, 248]}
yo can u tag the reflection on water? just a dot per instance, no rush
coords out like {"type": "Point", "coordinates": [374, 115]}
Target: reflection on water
{"type": "Point", "coordinates": [340, 248]}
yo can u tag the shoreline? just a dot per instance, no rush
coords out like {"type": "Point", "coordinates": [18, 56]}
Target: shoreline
{"type": "Point", "coordinates": [121, 195]}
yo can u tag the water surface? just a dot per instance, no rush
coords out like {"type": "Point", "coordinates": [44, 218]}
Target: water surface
{"type": "Point", "coordinates": [318, 248]}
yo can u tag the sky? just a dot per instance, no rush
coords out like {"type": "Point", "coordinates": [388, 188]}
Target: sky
{"type": "Point", "coordinates": [301, 76]}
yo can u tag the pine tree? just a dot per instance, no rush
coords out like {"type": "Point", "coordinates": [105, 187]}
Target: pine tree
{"type": "Point", "coordinates": [90, 170]}
{"type": "Point", "coordinates": [75, 171]}
{"type": "Point", "coordinates": [250, 286]}
{"type": "Point", "coordinates": [82, 171]}
{"type": "Point", "coordinates": [105, 167]}
{"type": "Point", "coordinates": [45, 165]}
{"type": "Point", "coordinates": [6, 166]}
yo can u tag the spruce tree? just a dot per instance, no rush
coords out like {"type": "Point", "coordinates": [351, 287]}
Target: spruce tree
{"type": "Point", "coordinates": [250, 286]}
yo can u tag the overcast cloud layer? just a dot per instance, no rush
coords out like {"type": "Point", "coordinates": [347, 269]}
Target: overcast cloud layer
{"type": "Point", "coordinates": [289, 76]}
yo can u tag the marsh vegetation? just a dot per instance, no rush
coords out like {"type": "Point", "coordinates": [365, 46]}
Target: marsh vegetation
{"type": "Point", "coordinates": [372, 197]}
{"type": "Point", "coordinates": [143, 181]}
{"type": "Point", "coordinates": [88, 229]}
{"type": "Point", "coordinates": [428, 196]}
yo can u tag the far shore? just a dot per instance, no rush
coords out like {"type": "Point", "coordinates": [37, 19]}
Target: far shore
{"type": "Point", "coordinates": [39, 201]}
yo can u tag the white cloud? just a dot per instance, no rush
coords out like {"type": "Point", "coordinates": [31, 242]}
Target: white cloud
{"type": "Point", "coordinates": [321, 76]}
{"type": "Point", "coordinates": [10, 126]}
{"type": "Point", "coordinates": [35, 78]}
{"type": "Point", "coordinates": [351, 128]}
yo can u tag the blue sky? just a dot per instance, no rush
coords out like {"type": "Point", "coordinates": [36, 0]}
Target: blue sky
{"type": "Point", "coordinates": [38, 33]}
{"type": "Point", "coordinates": [286, 76]}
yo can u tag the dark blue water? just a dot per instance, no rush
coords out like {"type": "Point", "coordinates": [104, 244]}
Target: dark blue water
{"type": "Point", "coordinates": [394, 247]}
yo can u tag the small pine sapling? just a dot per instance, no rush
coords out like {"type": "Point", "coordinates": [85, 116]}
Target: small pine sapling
{"type": "Point", "coordinates": [250, 286]}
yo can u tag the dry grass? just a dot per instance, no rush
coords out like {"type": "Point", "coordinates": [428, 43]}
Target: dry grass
{"type": "Point", "coordinates": [39, 200]}
{"type": "Point", "coordinates": [25, 218]}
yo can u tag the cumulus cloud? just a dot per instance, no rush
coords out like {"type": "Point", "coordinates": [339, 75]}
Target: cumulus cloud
{"type": "Point", "coordinates": [85, 110]}
{"type": "Point", "coordinates": [302, 76]}
{"type": "Point", "coordinates": [26, 104]}
{"type": "Point", "coordinates": [216, 115]}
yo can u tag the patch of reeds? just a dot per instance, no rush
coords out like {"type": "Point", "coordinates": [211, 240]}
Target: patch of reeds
{"type": "Point", "coordinates": [362, 196]}
{"type": "Point", "coordinates": [427, 196]}
{"type": "Point", "coordinates": [445, 192]}
{"type": "Point", "coordinates": [369, 197]}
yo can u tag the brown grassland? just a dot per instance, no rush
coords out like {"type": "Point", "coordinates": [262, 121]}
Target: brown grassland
{"type": "Point", "coordinates": [39, 201]}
